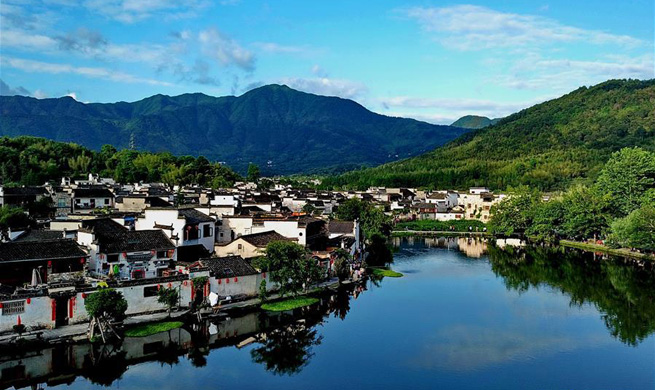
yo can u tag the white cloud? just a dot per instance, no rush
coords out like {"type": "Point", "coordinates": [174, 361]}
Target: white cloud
{"type": "Point", "coordinates": [471, 27]}
{"type": "Point", "coordinates": [535, 72]}
{"type": "Point", "coordinates": [92, 72]}
{"type": "Point", "coordinates": [325, 86]}
{"type": "Point", "coordinates": [131, 11]}
{"type": "Point", "coordinates": [448, 110]}
{"type": "Point", "coordinates": [225, 50]}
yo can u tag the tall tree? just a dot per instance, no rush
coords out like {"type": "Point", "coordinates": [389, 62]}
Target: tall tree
{"type": "Point", "coordinates": [628, 178]}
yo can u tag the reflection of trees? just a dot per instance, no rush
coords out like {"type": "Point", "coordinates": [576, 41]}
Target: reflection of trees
{"type": "Point", "coordinates": [104, 365]}
{"type": "Point", "coordinates": [340, 302]}
{"type": "Point", "coordinates": [287, 350]}
{"type": "Point", "coordinates": [623, 293]}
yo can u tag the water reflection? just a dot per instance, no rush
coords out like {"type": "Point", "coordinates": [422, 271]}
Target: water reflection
{"type": "Point", "coordinates": [472, 246]}
{"type": "Point", "coordinates": [283, 345]}
{"type": "Point", "coordinates": [621, 290]}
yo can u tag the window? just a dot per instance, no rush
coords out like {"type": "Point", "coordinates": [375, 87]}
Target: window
{"type": "Point", "coordinates": [191, 232]}
{"type": "Point", "coordinates": [14, 307]}
{"type": "Point", "coordinates": [240, 247]}
{"type": "Point", "coordinates": [162, 254]}
{"type": "Point", "coordinates": [207, 231]}
{"type": "Point", "coordinates": [112, 258]}
{"type": "Point", "coordinates": [150, 291]}
{"type": "Point", "coordinates": [61, 202]}
{"type": "Point", "coordinates": [106, 200]}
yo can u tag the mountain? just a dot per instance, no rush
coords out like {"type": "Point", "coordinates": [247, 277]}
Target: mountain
{"type": "Point", "coordinates": [281, 129]}
{"type": "Point", "coordinates": [474, 122]}
{"type": "Point", "coordinates": [548, 146]}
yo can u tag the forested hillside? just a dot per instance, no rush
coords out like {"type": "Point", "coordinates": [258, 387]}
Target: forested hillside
{"type": "Point", "coordinates": [548, 146]}
{"type": "Point", "coordinates": [280, 129]}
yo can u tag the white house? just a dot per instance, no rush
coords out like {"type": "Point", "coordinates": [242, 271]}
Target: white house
{"type": "Point", "coordinates": [185, 226]}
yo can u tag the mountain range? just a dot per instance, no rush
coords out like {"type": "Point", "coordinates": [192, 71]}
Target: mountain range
{"type": "Point", "coordinates": [282, 130]}
{"type": "Point", "coordinates": [548, 146]}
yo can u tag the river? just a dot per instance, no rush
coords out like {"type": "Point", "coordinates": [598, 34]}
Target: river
{"type": "Point", "coordinates": [466, 315]}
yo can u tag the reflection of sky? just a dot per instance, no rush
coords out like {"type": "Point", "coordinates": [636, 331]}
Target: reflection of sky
{"type": "Point", "coordinates": [448, 323]}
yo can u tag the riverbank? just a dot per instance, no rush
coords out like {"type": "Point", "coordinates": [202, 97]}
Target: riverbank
{"type": "Point", "coordinates": [77, 333]}
{"type": "Point", "coordinates": [604, 249]}
{"type": "Point", "coordinates": [441, 233]}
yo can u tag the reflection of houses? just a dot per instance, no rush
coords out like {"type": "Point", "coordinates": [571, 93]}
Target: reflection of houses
{"type": "Point", "coordinates": [125, 254]}
{"type": "Point", "coordinates": [85, 200]}
{"type": "Point", "coordinates": [249, 245]}
{"type": "Point", "coordinates": [18, 260]}
{"type": "Point", "coordinates": [185, 226]}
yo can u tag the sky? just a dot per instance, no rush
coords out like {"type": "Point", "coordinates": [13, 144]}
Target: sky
{"type": "Point", "coordinates": [430, 60]}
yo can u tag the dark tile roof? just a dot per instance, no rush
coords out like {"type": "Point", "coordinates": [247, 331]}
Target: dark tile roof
{"type": "Point", "coordinates": [155, 201]}
{"type": "Point", "coordinates": [260, 240]}
{"type": "Point", "coordinates": [341, 227]}
{"type": "Point", "coordinates": [193, 216]}
{"type": "Point", "coordinates": [103, 226]}
{"type": "Point", "coordinates": [40, 235]}
{"type": "Point", "coordinates": [40, 250]}
{"type": "Point", "coordinates": [192, 253]}
{"type": "Point", "coordinates": [24, 191]}
{"type": "Point", "coordinates": [225, 267]}
{"type": "Point", "coordinates": [135, 241]}
{"type": "Point", "coordinates": [92, 193]}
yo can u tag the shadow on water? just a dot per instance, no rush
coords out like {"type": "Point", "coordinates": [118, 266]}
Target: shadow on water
{"type": "Point", "coordinates": [283, 344]}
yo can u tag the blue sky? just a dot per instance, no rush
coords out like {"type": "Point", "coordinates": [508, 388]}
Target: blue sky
{"type": "Point", "coordinates": [431, 60]}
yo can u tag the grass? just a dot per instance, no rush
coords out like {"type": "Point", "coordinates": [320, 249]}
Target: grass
{"type": "Point", "coordinates": [150, 329]}
{"type": "Point", "coordinates": [386, 272]}
{"type": "Point", "coordinates": [602, 248]}
{"type": "Point", "coordinates": [289, 304]}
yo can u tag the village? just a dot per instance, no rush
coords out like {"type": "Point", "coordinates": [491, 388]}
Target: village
{"type": "Point", "coordinates": [138, 238]}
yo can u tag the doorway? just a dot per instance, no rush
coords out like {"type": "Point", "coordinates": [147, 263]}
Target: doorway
{"type": "Point", "coordinates": [61, 311]}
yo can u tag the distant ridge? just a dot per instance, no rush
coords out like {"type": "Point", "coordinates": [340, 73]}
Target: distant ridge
{"type": "Point", "coordinates": [283, 130]}
{"type": "Point", "coordinates": [474, 122]}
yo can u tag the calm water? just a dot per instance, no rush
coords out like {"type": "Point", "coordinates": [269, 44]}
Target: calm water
{"type": "Point", "coordinates": [463, 316]}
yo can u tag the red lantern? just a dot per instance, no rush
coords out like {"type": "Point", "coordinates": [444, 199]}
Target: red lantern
{"type": "Point", "coordinates": [236, 280]}
{"type": "Point", "coordinates": [170, 285]}
{"type": "Point", "coordinates": [158, 286]}
{"type": "Point", "coordinates": [82, 260]}
{"type": "Point", "coordinates": [227, 280]}
{"type": "Point", "coordinates": [83, 295]}
{"type": "Point", "coordinates": [185, 282]}
{"type": "Point", "coordinates": [1, 305]}
{"type": "Point", "coordinates": [125, 254]}
{"type": "Point", "coordinates": [219, 281]}
{"type": "Point", "coordinates": [28, 300]}
{"type": "Point", "coordinates": [49, 263]}
{"type": "Point", "coordinates": [19, 322]}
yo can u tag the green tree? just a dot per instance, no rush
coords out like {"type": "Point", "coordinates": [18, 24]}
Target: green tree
{"type": "Point", "coordinates": [292, 269]}
{"type": "Point", "coordinates": [547, 220]}
{"type": "Point", "coordinates": [253, 173]}
{"type": "Point", "coordinates": [106, 304]}
{"type": "Point", "coordinates": [627, 178]}
{"type": "Point", "coordinates": [168, 297]}
{"type": "Point", "coordinates": [515, 214]}
{"type": "Point", "coordinates": [309, 209]}
{"type": "Point", "coordinates": [585, 213]}
{"type": "Point", "coordinates": [14, 217]}
{"type": "Point", "coordinates": [637, 230]}
{"type": "Point", "coordinates": [341, 264]}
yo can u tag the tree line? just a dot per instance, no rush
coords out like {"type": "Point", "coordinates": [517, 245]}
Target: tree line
{"type": "Point", "coordinates": [618, 207]}
{"type": "Point", "coordinates": [34, 161]}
